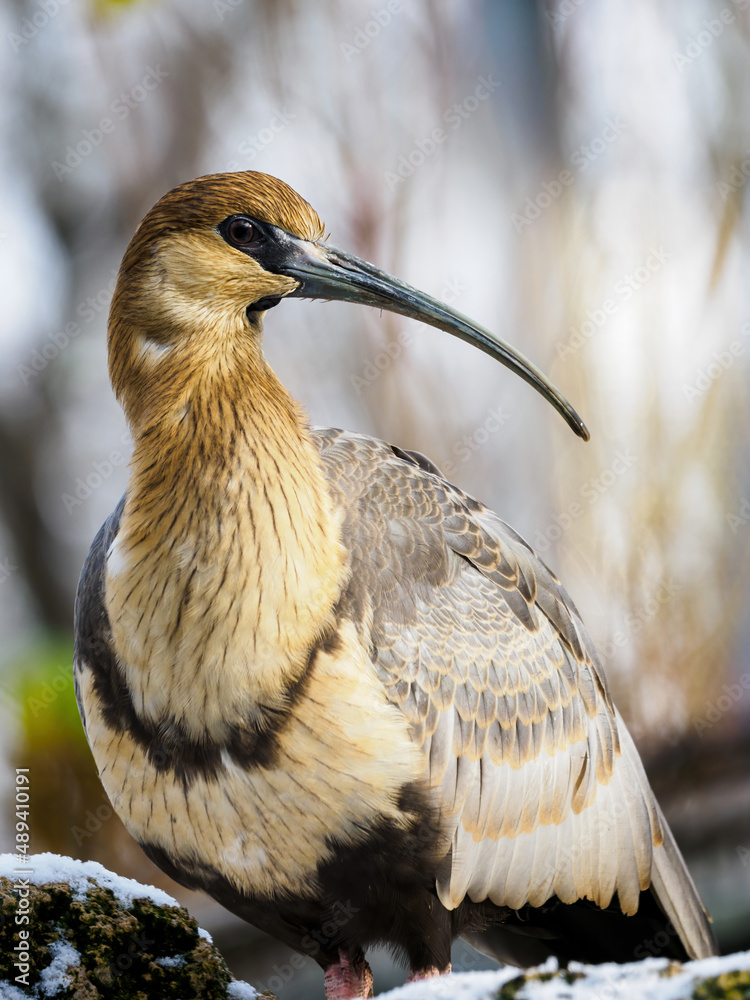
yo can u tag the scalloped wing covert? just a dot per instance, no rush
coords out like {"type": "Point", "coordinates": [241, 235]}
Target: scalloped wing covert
{"type": "Point", "coordinates": [538, 781]}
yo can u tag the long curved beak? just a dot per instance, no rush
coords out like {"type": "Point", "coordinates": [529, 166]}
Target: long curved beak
{"type": "Point", "coordinates": [323, 272]}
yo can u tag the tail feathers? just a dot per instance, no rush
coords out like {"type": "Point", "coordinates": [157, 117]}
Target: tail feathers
{"type": "Point", "coordinates": [676, 893]}
{"type": "Point", "coordinates": [668, 916]}
{"type": "Point", "coordinates": [671, 883]}
{"type": "Point", "coordinates": [583, 932]}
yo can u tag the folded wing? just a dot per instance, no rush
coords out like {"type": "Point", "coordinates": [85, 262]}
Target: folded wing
{"type": "Point", "coordinates": [539, 783]}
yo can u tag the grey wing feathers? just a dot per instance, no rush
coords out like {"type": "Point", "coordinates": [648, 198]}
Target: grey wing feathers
{"type": "Point", "coordinates": [474, 638]}
{"type": "Point", "coordinates": [676, 892]}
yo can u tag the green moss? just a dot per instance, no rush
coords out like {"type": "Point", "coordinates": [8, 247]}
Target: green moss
{"type": "Point", "coordinates": [672, 969]}
{"type": "Point", "coordinates": [728, 986]}
{"type": "Point", "coordinates": [571, 977]}
{"type": "Point", "coordinates": [120, 949]}
{"type": "Point", "coordinates": [513, 988]}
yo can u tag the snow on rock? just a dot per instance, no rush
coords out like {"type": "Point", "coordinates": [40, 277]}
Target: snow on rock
{"type": "Point", "coordinates": [43, 869]}
{"type": "Point", "coordinates": [55, 979]}
{"type": "Point", "coordinates": [651, 979]}
{"type": "Point", "coordinates": [71, 929]}
{"type": "Point", "coordinates": [241, 991]}
{"type": "Point", "coordinates": [459, 986]}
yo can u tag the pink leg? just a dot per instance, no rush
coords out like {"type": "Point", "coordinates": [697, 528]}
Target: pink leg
{"type": "Point", "coordinates": [416, 975]}
{"type": "Point", "coordinates": [350, 978]}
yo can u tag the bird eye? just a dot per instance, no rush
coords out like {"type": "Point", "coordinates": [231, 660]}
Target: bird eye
{"type": "Point", "coordinates": [241, 232]}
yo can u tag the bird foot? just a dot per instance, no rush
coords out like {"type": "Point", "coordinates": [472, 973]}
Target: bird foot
{"type": "Point", "coordinates": [350, 978]}
{"type": "Point", "coordinates": [416, 974]}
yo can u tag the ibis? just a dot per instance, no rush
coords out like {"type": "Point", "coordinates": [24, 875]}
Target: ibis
{"type": "Point", "coordinates": [319, 681]}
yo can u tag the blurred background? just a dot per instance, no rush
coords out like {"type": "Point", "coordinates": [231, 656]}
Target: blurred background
{"type": "Point", "coordinates": [570, 174]}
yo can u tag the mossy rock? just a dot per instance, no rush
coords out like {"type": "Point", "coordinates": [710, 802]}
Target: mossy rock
{"type": "Point", "coordinates": [87, 940]}
{"type": "Point", "coordinates": [654, 978]}
{"type": "Point", "coordinates": [514, 988]}
{"type": "Point", "coordinates": [729, 986]}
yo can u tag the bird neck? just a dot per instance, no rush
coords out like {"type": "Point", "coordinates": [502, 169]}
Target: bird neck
{"type": "Point", "coordinates": [228, 561]}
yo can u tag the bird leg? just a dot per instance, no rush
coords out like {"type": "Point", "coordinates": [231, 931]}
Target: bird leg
{"type": "Point", "coordinates": [350, 978]}
{"type": "Point", "coordinates": [416, 974]}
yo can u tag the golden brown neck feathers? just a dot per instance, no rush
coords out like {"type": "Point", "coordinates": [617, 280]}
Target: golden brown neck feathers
{"type": "Point", "coordinates": [228, 561]}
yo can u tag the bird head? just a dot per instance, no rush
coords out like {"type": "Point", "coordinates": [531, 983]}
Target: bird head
{"type": "Point", "coordinates": [214, 254]}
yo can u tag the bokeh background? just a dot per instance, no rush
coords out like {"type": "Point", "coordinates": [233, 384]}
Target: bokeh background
{"type": "Point", "coordinates": [572, 175]}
